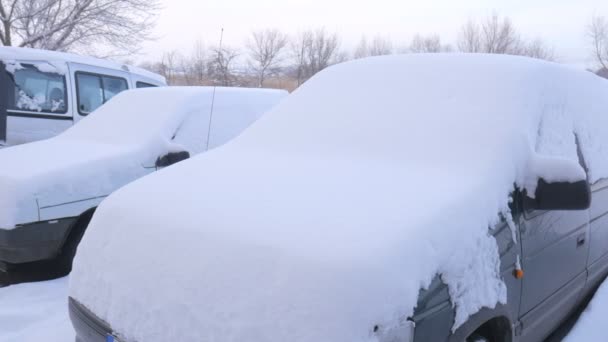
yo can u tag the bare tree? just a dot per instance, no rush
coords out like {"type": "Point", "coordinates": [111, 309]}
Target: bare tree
{"type": "Point", "coordinates": [198, 63]}
{"type": "Point", "coordinates": [323, 51]}
{"type": "Point", "coordinates": [493, 35]}
{"type": "Point", "coordinates": [428, 44]}
{"type": "Point", "coordinates": [470, 38]}
{"type": "Point", "coordinates": [379, 46]}
{"type": "Point", "coordinates": [538, 49]}
{"type": "Point", "coordinates": [598, 34]}
{"type": "Point", "coordinates": [300, 45]}
{"type": "Point", "coordinates": [314, 51]}
{"type": "Point", "coordinates": [77, 24]}
{"type": "Point", "coordinates": [167, 67]}
{"type": "Point", "coordinates": [265, 48]}
{"type": "Point", "coordinates": [498, 35]}
{"type": "Point", "coordinates": [221, 67]}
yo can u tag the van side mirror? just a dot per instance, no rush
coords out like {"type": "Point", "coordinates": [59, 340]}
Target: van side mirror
{"type": "Point", "coordinates": [560, 196]}
{"type": "Point", "coordinates": [172, 158]}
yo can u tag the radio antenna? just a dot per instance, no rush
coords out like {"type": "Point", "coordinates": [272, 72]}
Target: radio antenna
{"type": "Point", "coordinates": [220, 56]}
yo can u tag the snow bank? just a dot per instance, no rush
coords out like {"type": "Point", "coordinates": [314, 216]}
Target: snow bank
{"type": "Point", "coordinates": [35, 312]}
{"type": "Point", "coordinates": [327, 216]}
{"type": "Point", "coordinates": [116, 144]}
{"type": "Point", "coordinates": [591, 325]}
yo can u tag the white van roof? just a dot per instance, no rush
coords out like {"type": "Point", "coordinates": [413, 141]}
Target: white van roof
{"type": "Point", "coordinates": [18, 53]}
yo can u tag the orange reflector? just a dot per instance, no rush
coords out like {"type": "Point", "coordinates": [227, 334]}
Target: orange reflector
{"type": "Point", "coordinates": [518, 273]}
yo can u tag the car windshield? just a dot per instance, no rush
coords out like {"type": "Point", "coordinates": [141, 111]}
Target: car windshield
{"type": "Point", "coordinates": [34, 90]}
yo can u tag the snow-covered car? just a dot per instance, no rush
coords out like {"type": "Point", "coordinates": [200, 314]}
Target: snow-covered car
{"type": "Point", "coordinates": [50, 188]}
{"type": "Point", "coordinates": [436, 197]}
{"type": "Point", "coordinates": [43, 93]}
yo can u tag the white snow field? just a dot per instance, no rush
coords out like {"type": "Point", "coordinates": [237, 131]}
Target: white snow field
{"type": "Point", "coordinates": [35, 312]}
{"type": "Point", "coordinates": [326, 217]}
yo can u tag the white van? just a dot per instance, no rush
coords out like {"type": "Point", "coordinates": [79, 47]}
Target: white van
{"type": "Point", "coordinates": [42, 93]}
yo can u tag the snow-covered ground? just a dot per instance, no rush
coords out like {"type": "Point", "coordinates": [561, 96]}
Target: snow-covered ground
{"type": "Point", "coordinates": [35, 312]}
{"type": "Point", "coordinates": [591, 326]}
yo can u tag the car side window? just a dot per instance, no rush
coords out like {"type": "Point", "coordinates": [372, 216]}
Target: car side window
{"type": "Point", "coordinates": [38, 91]}
{"type": "Point", "coordinates": [140, 84]}
{"type": "Point", "coordinates": [94, 90]}
{"type": "Point", "coordinates": [112, 86]}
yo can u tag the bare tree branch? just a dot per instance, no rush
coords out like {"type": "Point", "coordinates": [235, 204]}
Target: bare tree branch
{"type": "Point", "coordinates": [78, 24]}
{"type": "Point", "coordinates": [598, 34]}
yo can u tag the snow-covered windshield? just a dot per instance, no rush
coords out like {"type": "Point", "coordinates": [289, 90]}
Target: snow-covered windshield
{"type": "Point", "coordinates": [35, 90]}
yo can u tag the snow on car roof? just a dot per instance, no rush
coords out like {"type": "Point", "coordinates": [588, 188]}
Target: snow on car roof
{"type": "Point", "coordinates": [111, 146]}
{"type": "Point", "coordinates": [324, 220]}
{"type": "Point", "coordinates": [28, 54]}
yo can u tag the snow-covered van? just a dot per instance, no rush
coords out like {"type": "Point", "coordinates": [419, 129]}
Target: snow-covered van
{"type": "Point", "coordinates": [42, 93]}
{"type": "Point", "coordinates": [50, 188]}
{"type": "Point", "coordinates": [435, 197]}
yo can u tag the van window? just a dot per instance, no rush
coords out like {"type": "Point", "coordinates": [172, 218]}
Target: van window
{"type": "Point", "coordinates": [38, 91]}
{"type": "Point", "coordinates": [144, 85]}
{"type": "Point", "coordinates": [94, 90]}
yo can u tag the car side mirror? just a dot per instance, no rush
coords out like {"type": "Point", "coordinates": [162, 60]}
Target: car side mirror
{"type": "Point", "coordinates": [560, 196]}
{"type": "Point", "coordinates": [172, 158]}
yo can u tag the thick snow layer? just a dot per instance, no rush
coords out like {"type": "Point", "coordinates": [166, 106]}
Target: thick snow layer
{"type": "Point", "coordinates": [116, 144]}
{"type": "Point", "coordinates": [55, 67]}
{"type": "Point", "coordinates": [327, 216]}
{"type": "Point", "coordinates": [56, 58]}
{"type": "Point", "coordinates": [591, 325]}
{"type": "Point", "coordinates": [35, 312]}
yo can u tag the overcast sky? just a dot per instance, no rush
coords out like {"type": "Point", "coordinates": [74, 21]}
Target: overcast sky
{"type": "Point", "coordinates": [561, 23]}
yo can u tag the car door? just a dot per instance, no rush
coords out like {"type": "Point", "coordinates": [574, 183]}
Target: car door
{"type": "Point", "coordinates": [598, 234]}
{"type": "Point", "coordinates": [555, 247]}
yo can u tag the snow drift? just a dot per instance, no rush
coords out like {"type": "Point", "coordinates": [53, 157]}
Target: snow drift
{"type": "Point", "coordinates": [327, 216]}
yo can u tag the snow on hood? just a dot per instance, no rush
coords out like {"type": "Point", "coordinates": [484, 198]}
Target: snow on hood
{"type": "Point", "coordinates": [114, 145]}
{"type": "Point", "coordinates": [328, 215]}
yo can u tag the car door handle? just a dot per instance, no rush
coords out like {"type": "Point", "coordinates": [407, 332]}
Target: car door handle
{"type": "Point", "coordinates": [580, 240]}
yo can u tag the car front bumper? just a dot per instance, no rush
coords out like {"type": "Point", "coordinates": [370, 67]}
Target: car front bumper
{"type": "Point", "coordinates": [90, 328]}
{"type": "Point", "coordinates": [34, 241]}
